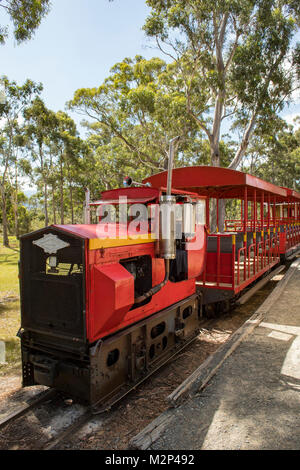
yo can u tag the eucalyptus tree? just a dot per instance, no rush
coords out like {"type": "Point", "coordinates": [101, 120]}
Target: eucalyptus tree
{"type": "Point", "coordinates": [25, 15]}
{"type": "Point", "coordinates": [276, 157]}
{"type": "Point", "coordinates": [40, 129]}
{"type": "Point", "coordinates": [237, 59]}
{"type": "Point", "coordinates": [69, 152]}
{"type": "Point", "coordinates": [141, 105]}
{"type": "Point", "coordinates": [111, 162]}
{"type": "Point", "coordinates": [58, 148]}
{"type": "Point", "coordinates": [19, 167]}
{"type": "Point", "coordinates": [11, 152]}
{"type": "Point", "coordinates": [17, 99]}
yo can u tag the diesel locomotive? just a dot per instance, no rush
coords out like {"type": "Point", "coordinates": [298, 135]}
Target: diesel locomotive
{"type": "Point", "coordinates": [105, 304]}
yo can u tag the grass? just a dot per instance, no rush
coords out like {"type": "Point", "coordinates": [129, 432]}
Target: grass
{"type": "Point", "coordinates": [9, 257]}
{"type": "Point", "coordinates": [10, 307]}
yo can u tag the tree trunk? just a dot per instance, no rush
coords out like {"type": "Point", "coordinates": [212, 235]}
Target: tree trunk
{"type": "Point", "coordinates": [4, 218]}
{"type": "Point", "coordinates": [222, 213]}
{"type": "Point", "coordinates": [215, 161]}
{"type": "Point", "coordinates": [71, 192]}
{"type": "Point", "coordinates": [62, 219]}
{"type": "Point", "coordinates": [16, 216]}
{"type": "Point", "coordinates": [244, 144]}
{"type": "Point", "coordinates": [217, 226]}
{"type": "Point", "coordinates": [15, 204]}
{"type": "Point", "coordinates": [46, 205]}
{"type": "Point", "coordinates": [44, 177]}
{"type": "Point", "coordinates": [53, 205]}
{"type": "Point", "coordinates": [215, 154]}
{"type": "Point", "coordinates": [71, 202]}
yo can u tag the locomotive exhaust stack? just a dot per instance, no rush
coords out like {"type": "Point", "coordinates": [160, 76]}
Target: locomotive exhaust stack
{"type": "Point", "coordinates": [167, 223]}
{"type": "Point", "coordinates": [167, 208]}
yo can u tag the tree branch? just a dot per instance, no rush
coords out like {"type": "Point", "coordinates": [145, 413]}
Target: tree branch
{"type": "Point", "coordinates": [244, 143]}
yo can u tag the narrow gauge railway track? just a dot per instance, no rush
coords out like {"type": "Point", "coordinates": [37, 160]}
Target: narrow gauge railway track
{"type": "Point", "coordinates": [65, 435]}
{"type": "Point", "coordinates": [72, 429]}
{"type": "Point", "coordinates": [22, 410]}
{"type": "Point", "coordinates": [48, 396]}
{"type": "Point", "coordinates": [91, 413]}
{"type": "Point", "coordinates": [11, 422]}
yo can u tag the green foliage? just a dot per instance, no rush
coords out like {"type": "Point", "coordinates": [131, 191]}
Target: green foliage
{"type": "Point", "coordinates": [60, 161]}
{"type": "Point", "coordinates": [24, 215]}
{"type": "Point", "coordinates": [138, 108]}
{"type": "Point", "coordinates": [18, 98]}
{"type": "Point", "coordinates": [236, 60]}
{"type": "Point", "coordinates": [25, 15]}
{"type": "Point", "coordinates": [276, 157]}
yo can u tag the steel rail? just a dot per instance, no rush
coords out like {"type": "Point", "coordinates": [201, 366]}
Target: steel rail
{"type": "Point", "coordinates": [72, 429]}
{"type": "Point", "coordinates": [42, 397]}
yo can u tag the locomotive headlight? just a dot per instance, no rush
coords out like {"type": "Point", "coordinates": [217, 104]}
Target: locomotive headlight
{"type": "Point", "coordinates": [53, 261]}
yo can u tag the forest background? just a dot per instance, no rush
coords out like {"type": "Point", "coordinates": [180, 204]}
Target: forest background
{"type": "Point", "coordinates": [219, 74]}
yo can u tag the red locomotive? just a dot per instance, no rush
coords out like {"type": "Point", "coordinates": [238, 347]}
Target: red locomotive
{"type": "Point", "coordinates": [105, 304]}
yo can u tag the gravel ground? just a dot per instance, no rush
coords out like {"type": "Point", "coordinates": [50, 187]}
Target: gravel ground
{"type": "Point", "coordinates": [253, 401]}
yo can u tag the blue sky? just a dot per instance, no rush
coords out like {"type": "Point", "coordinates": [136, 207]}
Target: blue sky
{"type": "Point", "coordinates": [77, 44]}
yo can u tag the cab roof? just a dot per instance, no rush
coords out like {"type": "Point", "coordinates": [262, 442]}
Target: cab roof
{"type": "Point", "coordinates": [141, 195]}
